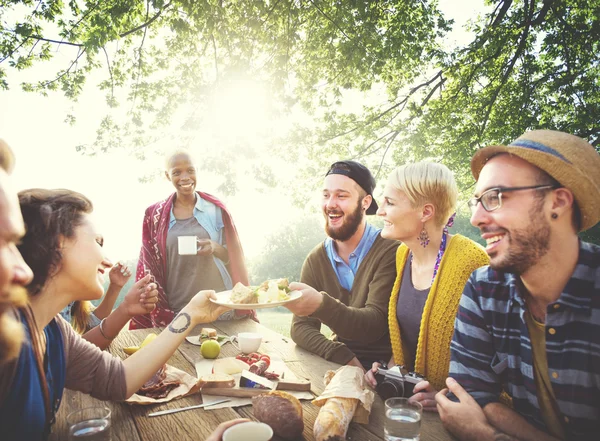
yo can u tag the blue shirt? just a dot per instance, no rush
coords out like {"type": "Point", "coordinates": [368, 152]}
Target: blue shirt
{"type": "Point", "coordinates": [23, 414]}
{"type": "Point", "coordinates": [210, 217]}
{"type": "Point", "coordinates": [491, 347]}
{"type": "Point", "coordinates": [345, 272]}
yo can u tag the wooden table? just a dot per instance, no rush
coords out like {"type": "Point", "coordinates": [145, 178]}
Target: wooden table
{"type": "Point", "coordinates": [130, 423]}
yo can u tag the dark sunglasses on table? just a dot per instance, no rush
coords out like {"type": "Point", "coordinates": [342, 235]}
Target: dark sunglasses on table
{"type": "Point", "coordinates": [492, 199]}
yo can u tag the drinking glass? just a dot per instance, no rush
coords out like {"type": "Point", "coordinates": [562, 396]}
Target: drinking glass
{"type": "Point", "coordinates": [90, 424]}
{"type": "Point", "coordinates": [402, 419]}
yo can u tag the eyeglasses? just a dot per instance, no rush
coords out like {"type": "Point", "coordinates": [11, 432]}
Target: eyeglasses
{"type": "Point", "coordinates": [492, 199]}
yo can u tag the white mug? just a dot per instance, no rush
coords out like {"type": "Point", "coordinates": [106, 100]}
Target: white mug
{"type": "Point", "coordinates": [187, 245]}
{"type": "Point", "coordinates": [248, 342]}
{"type": "Point", "coordinates": [249, 431]}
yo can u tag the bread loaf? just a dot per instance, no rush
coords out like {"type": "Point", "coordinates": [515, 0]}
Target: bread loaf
{"type": "Point", "coordinates": [280, 410]}
{"type": "Point", "coordinates": [218, 380]}
{"type": "Point", "coordinates": [334, 418]}
{"type": "Point", "coordinates": [208, 333]}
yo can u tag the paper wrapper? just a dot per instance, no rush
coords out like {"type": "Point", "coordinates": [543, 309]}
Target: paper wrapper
{"type": "Point", "coordinates": [348, 382]}
{"type": "Point", "coordinates": [189, 385]}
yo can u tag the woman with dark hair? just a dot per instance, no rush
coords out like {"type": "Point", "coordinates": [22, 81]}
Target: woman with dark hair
{"type": "Point", "coordinates": [218, 262]}
{"type": "Point", "coordinates": [64, 249]}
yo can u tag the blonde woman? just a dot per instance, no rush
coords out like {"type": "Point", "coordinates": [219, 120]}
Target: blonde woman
{"type": "Point", "coordinates": [432, 269]}
{"type": "Point", "coordinates": [83, 316]}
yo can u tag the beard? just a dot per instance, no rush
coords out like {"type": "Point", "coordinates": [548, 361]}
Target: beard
{"type": "Point", "coordinates": [525, 246]}
{"type": "Point", "coordinates": [350, 225]}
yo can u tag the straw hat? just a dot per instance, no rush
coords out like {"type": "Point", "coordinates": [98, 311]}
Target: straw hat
{"type": "Point", "coordinates": [569, 159]}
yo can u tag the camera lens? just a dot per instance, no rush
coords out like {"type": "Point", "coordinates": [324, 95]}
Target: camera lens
{"type": "Point", "coordinates": [389, 389]}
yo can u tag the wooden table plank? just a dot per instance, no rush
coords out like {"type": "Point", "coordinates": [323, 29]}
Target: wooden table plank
{"type": "Point", "coordinates": [132, 423]}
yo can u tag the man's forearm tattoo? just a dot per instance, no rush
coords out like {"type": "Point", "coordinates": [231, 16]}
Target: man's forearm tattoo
{"type": "Point", "coordinates": [180, 323]}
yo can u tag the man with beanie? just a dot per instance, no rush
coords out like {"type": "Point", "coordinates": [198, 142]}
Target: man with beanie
{"type": "Point", "coordinates": [528, 325]}
{"type": "Point", "coordinates": [347, 280]}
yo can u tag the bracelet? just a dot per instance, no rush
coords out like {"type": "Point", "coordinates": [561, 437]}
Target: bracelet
{"type": "Point", "coordinates": [101, 326]}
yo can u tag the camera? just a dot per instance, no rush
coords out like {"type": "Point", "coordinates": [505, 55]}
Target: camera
{"type": "Point", "coordinates": [396, 382]}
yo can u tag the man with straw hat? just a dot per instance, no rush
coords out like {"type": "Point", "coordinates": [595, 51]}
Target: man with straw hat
{"type": "Point", "coordinates": [529, 324]}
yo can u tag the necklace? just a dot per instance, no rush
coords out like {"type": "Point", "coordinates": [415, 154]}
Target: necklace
{"type": "Point", "coordinates": [439, 255]}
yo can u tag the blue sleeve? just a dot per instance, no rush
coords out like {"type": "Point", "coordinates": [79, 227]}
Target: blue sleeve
{"type": "Point", "coordinates": [220, 228]}
{"type": "Point", "coordinates": [472, 351]}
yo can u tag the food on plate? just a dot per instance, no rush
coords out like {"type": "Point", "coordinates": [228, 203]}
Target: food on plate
{"type": "Point", "coordinates": [259, 368]}
{"type": "Point", "coordinates": [218, 380]}
{"type": "Point", "coordinates": [270, 291]}
{"type": "Point", "coordinates": [157, 386]}
{"type": "Point", "coordinates": [259, 363]}
{"type": "Point", "coordinates": [210, 349]}
{"type": "Point", "coordinates": [243, 295]}
{"type": "Point", "coordinates": [334, 418]}
{"type": "Point", "coordinates": [280, 410]}
{"type": "Point", "coordinates": [229, 366]}
{"type": "Point", "coordinates": [206, 333]}
{"type": "Point", "coordinates": [133, 349]}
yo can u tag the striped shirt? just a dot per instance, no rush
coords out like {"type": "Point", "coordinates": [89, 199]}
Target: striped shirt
{"type": "Point", "coordinates": [491, 347]}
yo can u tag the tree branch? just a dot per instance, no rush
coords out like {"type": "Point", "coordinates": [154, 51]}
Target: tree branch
{"type": "Point", "coordinates": [140, 59]}
{"type": "Point", "coordinates": [50, 40]}
{"type": "Point", "coordinates": [388, 110]}
{"type": "Point", "coordinates": [215, 54]}
{"type": "Point", "coordinates": [324, 14]}
{"type": "Point", "coordinates": [518, 52]}
{"type": "Point", "coordinates": [542, 14]}
{"type": "Point", "coordinates": [506, 4]}
{"type": "Point", "coordinates": [147, 23]}
{"type": "Point", "coordinates": [112, 82]}
{"type": "Point", "coordinates": [66, 72]}
{"type": "Point", "coordinates": [389, 144]}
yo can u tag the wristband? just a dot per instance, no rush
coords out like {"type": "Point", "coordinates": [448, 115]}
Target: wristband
{"type": "Point", "coordinates": [101, 326]}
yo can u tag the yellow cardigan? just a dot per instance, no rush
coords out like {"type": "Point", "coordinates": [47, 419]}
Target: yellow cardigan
{"type": "Point", "coordinates": [432, 360]}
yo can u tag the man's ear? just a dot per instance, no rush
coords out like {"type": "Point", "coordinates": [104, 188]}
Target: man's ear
{"type": "Point", "coordinates": [428, 212]}
{"type": "Point", "coordinates": [366, 202]}
{"type": "Point", "coordinates": [562, 200]}
{"type": "Point", "coordinates": [167, 176]}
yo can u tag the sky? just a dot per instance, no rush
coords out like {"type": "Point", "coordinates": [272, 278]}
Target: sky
{"type": "Point", "coordinates": [44, 145]}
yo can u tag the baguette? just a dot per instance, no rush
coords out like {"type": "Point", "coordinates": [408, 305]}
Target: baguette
{"type": "Point", "coordinates": [334, 418]}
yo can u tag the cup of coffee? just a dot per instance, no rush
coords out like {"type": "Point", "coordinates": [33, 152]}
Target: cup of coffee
{"type": "Point", "coordinates": [250, 431]}
{"type": "Point", "coordinates": [187, 245]}
{"type": "Point", "coordinates": [247, 342]}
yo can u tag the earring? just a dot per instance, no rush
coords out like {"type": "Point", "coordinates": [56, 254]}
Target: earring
{"type": "Point", "coordinates": [423, 237]}
{"type": "Point", "coordinates": [554, 216]}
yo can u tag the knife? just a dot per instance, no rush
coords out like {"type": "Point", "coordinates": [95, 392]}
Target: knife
{"type": "Point", "coordinates": [198, 406]}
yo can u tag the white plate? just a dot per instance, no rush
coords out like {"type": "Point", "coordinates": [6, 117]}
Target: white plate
{"type": "Point", "coordinates": [223, 299]}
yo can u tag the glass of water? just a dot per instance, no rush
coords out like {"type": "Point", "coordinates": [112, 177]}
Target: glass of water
{"type": "Point", "coordinates": [90, 424]}
{"type": "Point", "coordinates": [402, 419]}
